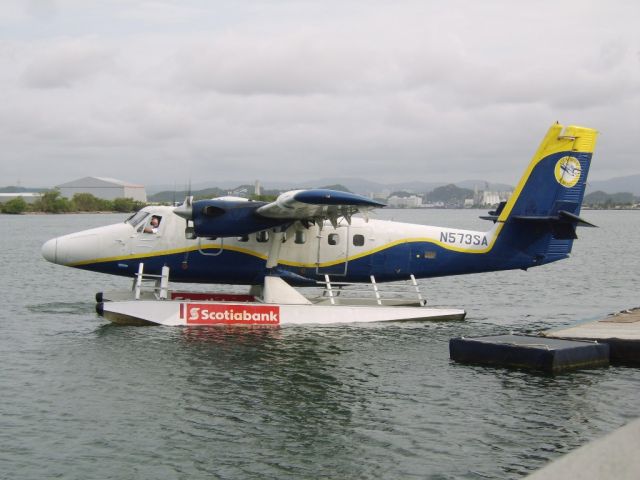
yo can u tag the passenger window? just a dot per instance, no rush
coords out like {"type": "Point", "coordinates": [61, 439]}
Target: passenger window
{"type": "Point", "coordinates": [243, 238]}
{"type": "Point", "coordinates": [301, 237]}
{"type": "Point", "coordinates": [358, 240]}
{"type": "Point", "coordinates": [333, 239]}
{"type": "Point", "coordinates": [262, 236]}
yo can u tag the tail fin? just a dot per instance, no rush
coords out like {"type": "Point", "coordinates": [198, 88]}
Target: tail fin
{"type": "Point", "coordinates": [545, 206]}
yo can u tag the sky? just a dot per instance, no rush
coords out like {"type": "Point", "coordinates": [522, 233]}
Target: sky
{"type": "Point", "coordinates": [161, 92]}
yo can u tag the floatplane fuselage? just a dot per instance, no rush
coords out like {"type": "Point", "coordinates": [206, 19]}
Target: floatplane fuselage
{"type": "Point", "coordinates": [305, 235]}
{"type": "Point", "coordinates": [385, 249]}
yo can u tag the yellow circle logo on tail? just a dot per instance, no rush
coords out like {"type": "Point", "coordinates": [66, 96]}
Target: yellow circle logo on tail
{"type": "Point", "coordinates": [567, 171]}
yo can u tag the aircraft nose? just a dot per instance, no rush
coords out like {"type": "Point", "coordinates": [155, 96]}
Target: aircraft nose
{"type": "Point", "coordinates": [50, 250]}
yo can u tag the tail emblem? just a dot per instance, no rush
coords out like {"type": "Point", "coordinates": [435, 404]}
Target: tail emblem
{"type": "Point", "coordinates": [567, 171]}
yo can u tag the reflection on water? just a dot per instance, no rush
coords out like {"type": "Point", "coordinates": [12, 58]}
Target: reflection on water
{"type": "Point", "coordinates": [63, 308]}
{"type": "Point", "coordinates": [227, 334]}
{"type": "Point", "coordinates": [87, 399]}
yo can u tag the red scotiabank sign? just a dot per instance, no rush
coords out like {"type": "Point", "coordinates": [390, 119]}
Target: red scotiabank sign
{"type": "Point", "coordinates": [229, 314]}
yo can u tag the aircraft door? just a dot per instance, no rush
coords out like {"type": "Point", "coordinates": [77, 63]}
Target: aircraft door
{"type": "Point", "coordinates": [333, 251]}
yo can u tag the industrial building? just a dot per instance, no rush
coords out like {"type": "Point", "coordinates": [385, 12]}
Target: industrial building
{"type": "Point", "coordinates": [105, 188]}
{"type": "Point", "coordinates": [412, 201]}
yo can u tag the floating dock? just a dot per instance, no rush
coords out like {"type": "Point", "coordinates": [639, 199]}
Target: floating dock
{"type": "Point", "coordinates": [621, 331]}
{"type": "Point", "coordinates": [530, 352]}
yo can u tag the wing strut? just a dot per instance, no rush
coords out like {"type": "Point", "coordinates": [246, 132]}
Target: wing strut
{"type": "Point", "coordinates": [275, 245]}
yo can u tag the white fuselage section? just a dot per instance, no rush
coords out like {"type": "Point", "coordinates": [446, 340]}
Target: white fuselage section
{"type": "Point", "coordinates": [303, 247]}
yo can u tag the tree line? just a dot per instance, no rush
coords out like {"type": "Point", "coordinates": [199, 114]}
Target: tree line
{"type": "Point", "coordinates": [52, 202]}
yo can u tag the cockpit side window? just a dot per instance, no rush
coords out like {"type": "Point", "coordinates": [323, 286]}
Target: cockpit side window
{"type": "Point", "coordinates": [154, 224]}
{"type": "Point", "coordinates": [137, 218]}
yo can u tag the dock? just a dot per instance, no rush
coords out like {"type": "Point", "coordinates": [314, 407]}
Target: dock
{"type": "Point", "coordinates": [613, 456]}
{"type": "Point", "coordinates": [620, 330]}
{"type": "Point", "coordinates": [549, 355]}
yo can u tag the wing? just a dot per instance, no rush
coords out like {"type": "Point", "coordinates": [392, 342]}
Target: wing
{"type": "Point", "coordinates": [229, 217]}
{"type": "Point", "coordinates": [317, 205]}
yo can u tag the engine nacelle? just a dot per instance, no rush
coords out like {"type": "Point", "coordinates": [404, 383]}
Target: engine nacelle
{"type": "Point", "coordinates": [223, 218]}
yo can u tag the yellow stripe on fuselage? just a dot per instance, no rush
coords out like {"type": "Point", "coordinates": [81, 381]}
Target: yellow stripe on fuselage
{"type": "Point", "coordinates": [173, 251]}
{"type": "Point", "coordinates": [282, 261]}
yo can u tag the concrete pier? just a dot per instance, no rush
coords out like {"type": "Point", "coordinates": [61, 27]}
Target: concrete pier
{"type": "Point", "coordinates": [614, 456]}
{"type": "Point", "coordinates": [621, 331]}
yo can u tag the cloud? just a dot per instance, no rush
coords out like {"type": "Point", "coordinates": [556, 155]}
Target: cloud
{"type": "Point", "coordinates": [296, 90]}
{"type": "Point", "coordinates": [41, 9]}
{"type": "Point", "coordinates": [66, 63]}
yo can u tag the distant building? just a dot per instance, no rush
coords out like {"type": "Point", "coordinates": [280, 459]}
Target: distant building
{"type": "Point", "coordinates": [380, 197]}
{"type": "Point", "coordinates": [490, 198]}
{"type": "Point", "coordinates": [413, 201]}
{"type": "Point", "coordinates": [105, 188]}
{"type": "Point", "coordinates": [486, 198]}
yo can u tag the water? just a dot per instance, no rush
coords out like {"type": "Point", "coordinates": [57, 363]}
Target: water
{"type": "Point", "coordinates": [83, 399]}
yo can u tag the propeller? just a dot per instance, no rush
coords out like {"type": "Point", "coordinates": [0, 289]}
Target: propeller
{"type": "Point", "coordinates": [185, 210]}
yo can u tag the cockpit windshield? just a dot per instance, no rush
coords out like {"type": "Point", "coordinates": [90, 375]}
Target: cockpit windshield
{"type": "Point", "coordinates": [137, 218]}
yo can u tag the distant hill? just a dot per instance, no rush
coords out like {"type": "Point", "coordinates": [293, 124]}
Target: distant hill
{"type": "Point", "coordinates": [629, 183]}
{"type": "Point", "coordinates": [354, 185]}
{"type": "Point", "coordinates": [484, 185]}
{"type": "Point", "coordinates": [365, 187]}
{"type": "Point", "coordinates": [178, 196]}
{"type": "Point", "coordinates": [165, 193]}
{"type": "Point", "coordinates": [169, 196]}
{"type": "Point", "coordinates": [338, 187]}
{"type": "Point", "coordinates": [449, 195]}
{"type": "Point", "coordinates": [600, 198]}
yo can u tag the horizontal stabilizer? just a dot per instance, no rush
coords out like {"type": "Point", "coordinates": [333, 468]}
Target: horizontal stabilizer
{"type": "Point", "coordinates": [494, 214]}
{"type": "Point", "coordinates": [562, 217]}
{"type": "Point", "coordinates": [580, 222]}
{"type": "Point", "coordinates": [563, 225]}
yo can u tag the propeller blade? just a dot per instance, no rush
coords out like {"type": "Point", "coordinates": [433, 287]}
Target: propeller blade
{"type": "Point", "coordinates": [186, 209]}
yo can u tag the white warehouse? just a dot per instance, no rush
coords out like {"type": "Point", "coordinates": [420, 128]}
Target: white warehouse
{"type": "Point", "coordinates": [105, 188]}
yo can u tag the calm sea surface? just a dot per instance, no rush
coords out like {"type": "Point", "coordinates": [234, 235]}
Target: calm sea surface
{"type": "Point", "coordinates": [84, 399]}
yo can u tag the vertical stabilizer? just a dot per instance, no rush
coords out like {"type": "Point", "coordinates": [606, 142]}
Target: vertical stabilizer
{"type": "Point", "coordinates": [542, 214]}
{"type": "Point", "coordinates": [557, 175]}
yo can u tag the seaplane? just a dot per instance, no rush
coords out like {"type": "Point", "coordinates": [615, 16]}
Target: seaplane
{"type": "Point", "coordinates": [323, 238]}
